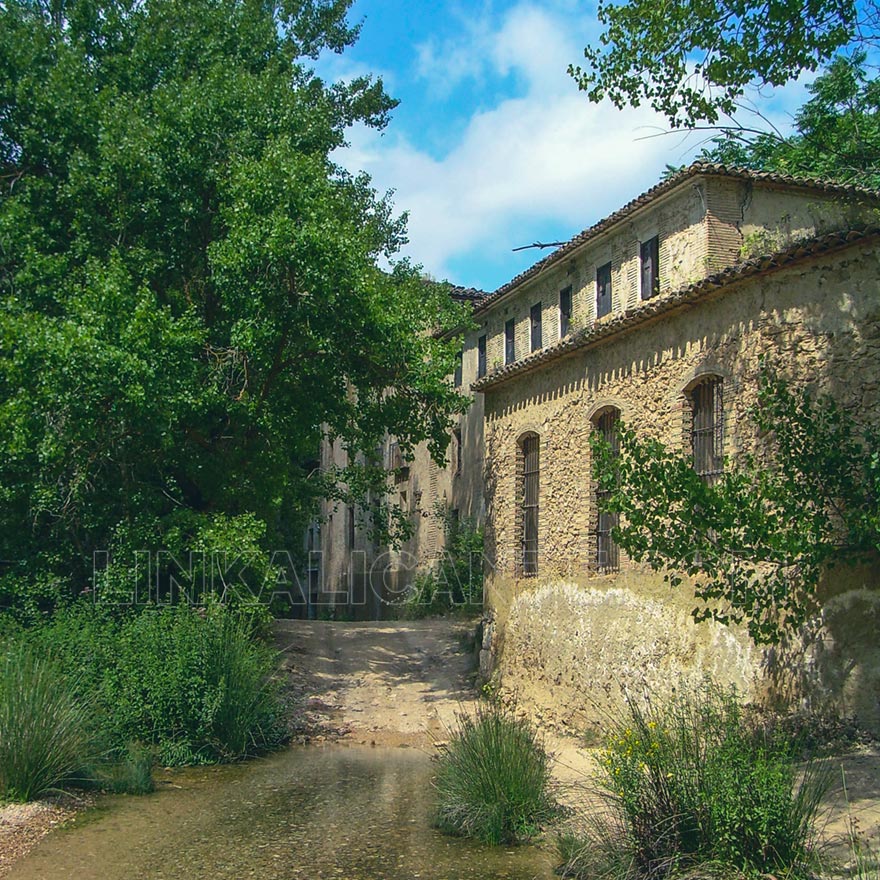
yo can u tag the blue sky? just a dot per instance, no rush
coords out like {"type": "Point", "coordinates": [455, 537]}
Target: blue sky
{"type": "Point", "coordinates": [492, 145]}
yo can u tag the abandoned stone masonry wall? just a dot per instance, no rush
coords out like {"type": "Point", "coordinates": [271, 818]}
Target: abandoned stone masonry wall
{"type": "Point", "coordinates": [568, 639]}
{"type": "Point", "coordinates": [658, 315]}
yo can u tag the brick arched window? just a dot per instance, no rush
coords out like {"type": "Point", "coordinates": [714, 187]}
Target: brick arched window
{"type": "Point", "coordinates": [606, 554]}
{"type": "Point", "coordinates": [528, 491]}
{"type": "Point", "coordinates": [706, 399]}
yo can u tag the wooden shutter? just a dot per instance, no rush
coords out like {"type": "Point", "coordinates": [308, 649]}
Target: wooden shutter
{"type": "Point", "coordinates": [603, 290]}
{"type": "Point", "coordinates": [509, 343]}
{"type": "Point", "coordinates": [564, 311]}
{"type": "Point", "coordinates": [650, 259]}
{"type": "Point", "coordinates": [537, 339]}
{"type": "Point", "coordinates": [481, 357]}
{"type": "Point", "coordinates": [530, 490]}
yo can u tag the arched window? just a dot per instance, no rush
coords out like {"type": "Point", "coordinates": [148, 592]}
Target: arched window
{"type": "Point", "coordinates": [528, 467]}
{"type": "Point", "coordinates": [707, 428]}
{"type": "Point", "coordinates": [606, 556]}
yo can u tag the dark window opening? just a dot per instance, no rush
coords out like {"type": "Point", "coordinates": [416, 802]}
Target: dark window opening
{"type": "Point", "coordinates": [564, 312]}
{"type": "Point", "coordinates": [509, 345]}
{"type": "Point", "coordinates": [607, 551]}
{"type": "Point", "coordinates": [481, 357]}
{"type": "Point", "coordinates": [530, 486]}
{"type": "Point", "coordinates": [351, 519]}
{"type": "Point", "coordinates": [535, 320]}
{"type": "Point", "coordinates": [603, 290]}
{"type": "Point", "coordinates": [395, 456]}
{"type": "Point", "coordinates": [707, 429]}
{"type": "Point", "coordinates": [456, 451]}
{"type": "Point", "coordinates": [459, 358]}
{"type": "Point", "coordinates": [650, 256]}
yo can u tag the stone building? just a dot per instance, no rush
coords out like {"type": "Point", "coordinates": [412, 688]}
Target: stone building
{"type": "Point", "coordinates": [350, 573]}
{"type": "Point", "coordinates": [657, 315]}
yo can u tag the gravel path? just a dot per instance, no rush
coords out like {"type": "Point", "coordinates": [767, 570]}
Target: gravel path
{"type": "Point", "coordinates": [22, 825]}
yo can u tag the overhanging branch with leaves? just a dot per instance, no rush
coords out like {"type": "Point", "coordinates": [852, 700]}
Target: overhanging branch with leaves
{"type": "Point", "coordinates": [754, 544]}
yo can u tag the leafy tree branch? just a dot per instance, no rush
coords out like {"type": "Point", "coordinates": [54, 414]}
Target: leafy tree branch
{"type": "Point", "coordinates": [692, 60]}
{"type": "Point", "coordinates": [756, 543]}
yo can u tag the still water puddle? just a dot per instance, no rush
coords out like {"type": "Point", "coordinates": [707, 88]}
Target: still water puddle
{"type": "Point", "coordinates": [311, 813]}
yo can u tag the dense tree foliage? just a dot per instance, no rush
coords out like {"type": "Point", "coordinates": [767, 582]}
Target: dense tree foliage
{"type": "Point", "coordinates": [756, 543]}
{"type": "Point", "coordinates": [692, 60]}
{"type": "Point", "coordinates": [190, 288]}
{"type": "Point", "coordinates": [837, 132]}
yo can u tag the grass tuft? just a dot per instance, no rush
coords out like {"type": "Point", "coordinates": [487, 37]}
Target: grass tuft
{"type": "Point", "coordinates": [44, 728]}
{"type": "Point", "coordinates": [493, 779]}
{"type": "Point", "coordinates": [692, 785]}
{"type": "Point", "coordinates": [129, 771]}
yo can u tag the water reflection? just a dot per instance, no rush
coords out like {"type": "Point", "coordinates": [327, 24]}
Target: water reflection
{"type": "Point", "coordinates": [342, 813]}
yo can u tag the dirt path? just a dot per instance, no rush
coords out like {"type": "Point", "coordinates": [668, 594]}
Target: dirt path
{"type": "Point", "coordinates": [388, 683]}
{"type": "Point", "coordinates": [397, 683]}
{"type": "Point", "coordinates": [401, 683]}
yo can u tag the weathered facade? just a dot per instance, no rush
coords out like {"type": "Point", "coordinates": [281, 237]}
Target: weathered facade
{"type": "Point", "coordinates": [362, 579]}
{"type": "Point", "coordinates": [707, 272]}
{"type": "Point", "coordinates": [657, 315]}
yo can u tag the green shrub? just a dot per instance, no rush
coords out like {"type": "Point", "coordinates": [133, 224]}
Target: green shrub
{"type": "Point", "coordinates": [44, 727]}
{"type": "Point", "coordinates": [127, 771]}
{"type": "Point", "coordinates": [195, 684]}
{"type": "Point", "coordinates": [493, 779]}
{"type": "Point", "coordinates": [456, 582]}
{"type": "Point", "coordinates": [692, 783]}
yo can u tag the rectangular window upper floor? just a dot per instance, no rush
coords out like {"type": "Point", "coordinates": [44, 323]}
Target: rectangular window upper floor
{"type": "Point", "coordinates": [564, 312]}
{"type": "Point", "coordinates": [481, 356]}
{"type": "Point", "coordinates": [537, 334]}
{"type": "Point", "coordinates": [603, 290]}
{"type": "Point", "coordinates": [649, 259]}
{"type": "Point", "coordinates": [509, 341]}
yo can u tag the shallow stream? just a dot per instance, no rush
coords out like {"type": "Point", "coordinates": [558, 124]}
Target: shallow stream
{"type": "Point", "coordinates": [307, 812]}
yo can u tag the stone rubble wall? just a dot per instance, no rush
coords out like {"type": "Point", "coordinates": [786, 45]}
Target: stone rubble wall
{"type": "Point", "coordinates": [819, 320]}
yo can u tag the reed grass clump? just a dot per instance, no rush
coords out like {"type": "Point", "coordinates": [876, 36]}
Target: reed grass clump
{"type": "Point", "coordinates": [124, 771]}
{"type": "Point", "coordinates": [692, 784]}
{"type": "Point", "coordinates": [493, 779]}
{"type": "Point", "coordinates": [45, 737]}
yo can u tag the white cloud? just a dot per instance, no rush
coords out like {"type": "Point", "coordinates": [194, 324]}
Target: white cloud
{"type": "Point", "coordinates": [536, 44]}
{"type": "Point", "coordinates": [445, 64]}
{"type": "Point", "coordinates": [517, 165]}
{"type": "Point", "coordinates": [547, 158]}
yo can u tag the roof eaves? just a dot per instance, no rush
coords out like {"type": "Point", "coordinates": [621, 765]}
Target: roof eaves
{"type": "Point", "coordinates": [468, 294]}
{"type": "Point", "coordinates": [697, 169]}
{"type": "Point", "coordinates": [652, 309]}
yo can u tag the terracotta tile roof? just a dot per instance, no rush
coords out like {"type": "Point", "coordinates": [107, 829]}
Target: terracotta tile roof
{"type": "Point", "coordinates": [654, 308]}
{"type": "Point", "coordinates": [697, 169]}
{"type": "Point", "coordinates": [467, 294]}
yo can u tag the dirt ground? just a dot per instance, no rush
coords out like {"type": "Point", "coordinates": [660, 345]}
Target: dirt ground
{"type": "Point", "coordinates": [391, 683]}
{"type": "Point", "coordinates": [377, 682]}
{"type": "Point", "coordinates": [401, 684]}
